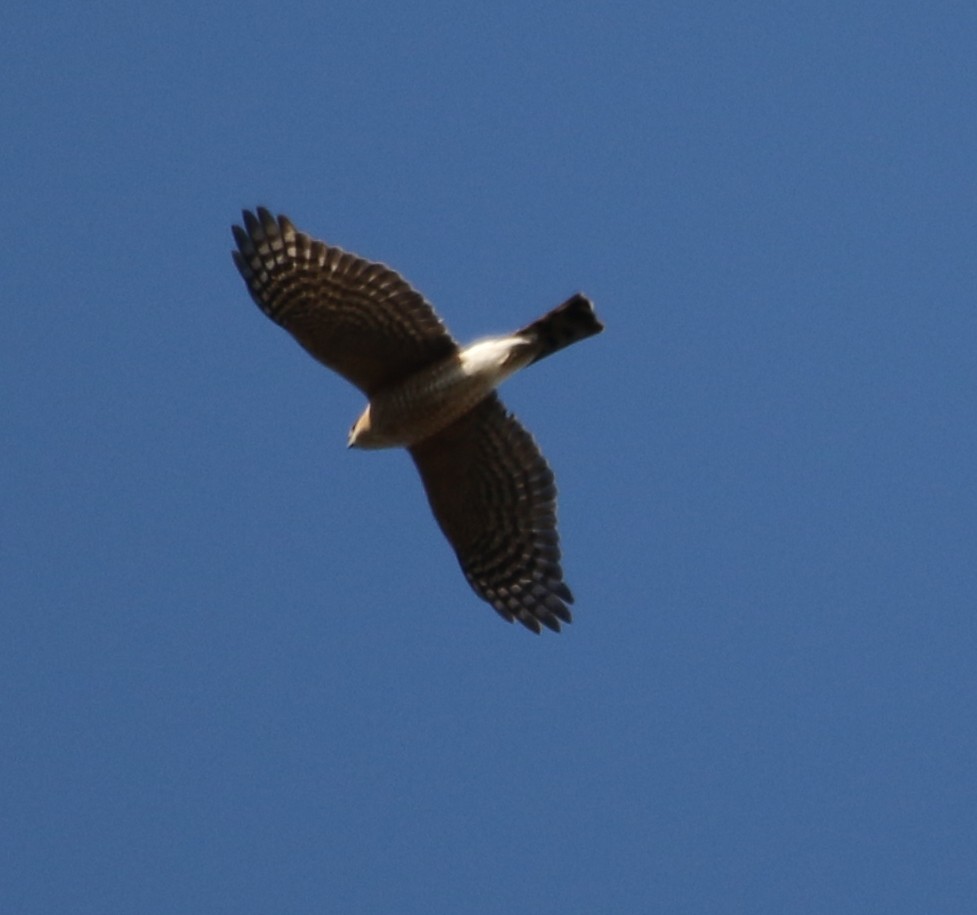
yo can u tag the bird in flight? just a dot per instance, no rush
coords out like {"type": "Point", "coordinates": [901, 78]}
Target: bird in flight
{"type": "Point", "coordinates": [488, 485]}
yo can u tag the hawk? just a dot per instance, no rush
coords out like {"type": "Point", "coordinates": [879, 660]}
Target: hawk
{"type": "Point", "coordinates": [488, 485]}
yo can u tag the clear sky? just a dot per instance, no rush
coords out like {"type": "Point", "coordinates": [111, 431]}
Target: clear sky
{"type": "Point", "coordinates": [240, 671]}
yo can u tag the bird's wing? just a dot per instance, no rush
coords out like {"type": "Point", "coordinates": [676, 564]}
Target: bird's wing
{"type": "Point", "coordinates": [494, 497]}
{"type": "Point", "coordinates": [360, 319]}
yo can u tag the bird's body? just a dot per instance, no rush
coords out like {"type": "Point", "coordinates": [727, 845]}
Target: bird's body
{"type": "Point", "coordinates": [489, 487]}
{"type": "Point", "coordinates": [424, 403]}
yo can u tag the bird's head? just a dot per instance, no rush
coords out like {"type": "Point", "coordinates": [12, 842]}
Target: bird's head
{"type": "Point", "coordinates": [361, 434]}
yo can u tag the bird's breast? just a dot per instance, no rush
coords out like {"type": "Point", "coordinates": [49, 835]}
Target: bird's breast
{"type": "Point", "coordinates": [433, 398]}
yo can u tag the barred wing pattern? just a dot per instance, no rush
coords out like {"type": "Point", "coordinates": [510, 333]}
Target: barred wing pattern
{"type": "Point", "coordinates": [493, 495]}
{"type": "Point", "coordinates": [359, 318]}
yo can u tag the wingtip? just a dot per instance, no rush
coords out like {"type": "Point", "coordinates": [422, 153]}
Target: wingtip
{"type": "Point", "coordinates": [257, 221]}
{"type": "Point", "coordinates": [531, 623]}
{"type": "Point", "coordinates": [241, 238]}
{"type": "Point", "coordinates": [269, 224]}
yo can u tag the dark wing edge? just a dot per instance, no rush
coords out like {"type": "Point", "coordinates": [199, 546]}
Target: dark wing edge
{"type": "Point", "coordinates": [494, 497]}
{"type": "Point", "coordinates": [359, 318]}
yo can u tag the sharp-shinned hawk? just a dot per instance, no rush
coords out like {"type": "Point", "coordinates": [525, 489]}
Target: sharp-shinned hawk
{"type": "Point", "coordinates": [489, 486]}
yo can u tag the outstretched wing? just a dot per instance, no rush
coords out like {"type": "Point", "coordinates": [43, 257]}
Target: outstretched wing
{"type": "Point", "coordinates": [358, 318]}
{"type": "Point", "coordinates": [493, 495]}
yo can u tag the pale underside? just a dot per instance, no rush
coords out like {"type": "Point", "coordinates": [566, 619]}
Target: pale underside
{"type": "Point", "coordinates": [401, 415]}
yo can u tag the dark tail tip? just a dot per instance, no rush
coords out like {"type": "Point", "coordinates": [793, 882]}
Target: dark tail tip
{"type": "Point", "coordinates": [574, 320]}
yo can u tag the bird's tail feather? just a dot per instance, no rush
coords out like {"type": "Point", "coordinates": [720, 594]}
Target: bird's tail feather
{"type": "Point", "coordinates": [574, 320]}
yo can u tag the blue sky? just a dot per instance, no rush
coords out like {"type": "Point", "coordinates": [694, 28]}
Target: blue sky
{"type": "Point", "coordinates": [239, 668]}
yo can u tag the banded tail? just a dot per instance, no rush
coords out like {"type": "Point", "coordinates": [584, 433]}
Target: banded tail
{"type": "Point", "coordinates": [574, 320]}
